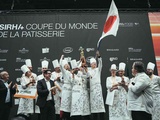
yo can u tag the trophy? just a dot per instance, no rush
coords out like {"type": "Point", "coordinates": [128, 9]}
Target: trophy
{"type": "Point", "coordinates": [84, 63]}
{"type": "Point", "coordinates": [83, 60]}
{"type": "Point", "coordinates": [81, 49]}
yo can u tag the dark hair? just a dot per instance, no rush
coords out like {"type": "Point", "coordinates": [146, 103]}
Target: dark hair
{"type": "Point", "coordinates": [139, 66]}
{"type": "Point", "coordinates": [46, 71]}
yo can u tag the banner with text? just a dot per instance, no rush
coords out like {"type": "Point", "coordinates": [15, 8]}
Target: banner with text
{"type": "Point", "coordinates": [48, 36]}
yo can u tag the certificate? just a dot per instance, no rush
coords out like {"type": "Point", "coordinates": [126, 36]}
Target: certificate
{"type": "Point", "coordinates": [110, 97]}
{"type": "Point", "coordinates": [30, 92]}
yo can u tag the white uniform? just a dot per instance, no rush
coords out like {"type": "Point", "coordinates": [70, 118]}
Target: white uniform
{"type": "Point", "coordinates": [96, 97]}
{"type": "Point", "coordinates": [40, 77]}
{"type": "Point", "coordinates": [117, 99]}
{"type": "Point", "coordinates": [66, 91]}
{"type": "Point", "coordinates": [34, 76]}
{"type": "Point", "coordinates": [80, 96]}
{"type": "Point", "coordinates": [140, 96]}
{"type": "Point", "coordinates": [57, 96]}
{"type": "Point", "coordinates": [156, 97]}
{"type": "Point", "coordinates": [26, 105]}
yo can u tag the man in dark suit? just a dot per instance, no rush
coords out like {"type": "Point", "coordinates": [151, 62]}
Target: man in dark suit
{"type": "Point", "coordinates": [7, 90]}
{"type": "Point", "coordinates": [45, 90]}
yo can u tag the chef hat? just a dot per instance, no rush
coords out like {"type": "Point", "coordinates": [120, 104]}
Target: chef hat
{"type": "Point", "coordinates": [122, 66]}
{"type": "Point", "coordinates": [73, 64]}
{"type": "Point", "coordinates": [44, 64]}
{"type": "Point", "coordinates": [113, 67]}
{"type": "Point", "coordinates": [92, 60]}
{"type": "Point", "coordinates": [28, 62]}
{"type": "Point", "coordinates": [150, 66]}
{"type": "Point", "coordinates": [68, 59]}
{"type": "Point", "coordinates": [55, 63]}
{"type": "Point", "coordinates": [24, 69]}
{"type": "Point", "coordinates": [64, 62]}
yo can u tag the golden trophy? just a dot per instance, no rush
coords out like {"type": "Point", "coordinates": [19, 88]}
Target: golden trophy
{"type": "Point", "coordinates": [82, 58]}
{"type": "Point", "coordinates": [81, 49]}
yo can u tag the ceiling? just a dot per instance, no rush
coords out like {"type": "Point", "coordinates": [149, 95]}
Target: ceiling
{"type": "Point", "coordinates": [77, 4]}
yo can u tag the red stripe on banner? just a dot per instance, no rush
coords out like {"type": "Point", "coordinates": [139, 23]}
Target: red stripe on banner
{"type": "Point", "coordinates": [109, 23]}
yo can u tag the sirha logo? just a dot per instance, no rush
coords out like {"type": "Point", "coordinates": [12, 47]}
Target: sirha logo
{"type": "Point", "coordinates": [11, 27]}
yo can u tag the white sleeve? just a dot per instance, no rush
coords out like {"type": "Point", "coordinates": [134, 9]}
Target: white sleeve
{"type": "Point", "coordinates": [23, 83]}
{"type": "Point", "coordinates": [100, 64]}
{"type": "Point", "coordinates": [139, 85]}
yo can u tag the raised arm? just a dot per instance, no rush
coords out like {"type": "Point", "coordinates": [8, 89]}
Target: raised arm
{"type": "Point", "coordinates": [99, 60]}
{"type": "Point", "coordinates": [62, 67]}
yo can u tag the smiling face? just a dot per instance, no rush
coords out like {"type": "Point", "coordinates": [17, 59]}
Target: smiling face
{"type": "Point", "coordinates": [5, 76]}
{"type": "Point", "coordinates": [67, 67]}
{"type": "Point", "coordinates": [57, 69]}
{"type": "Point", "coordinates": [93, 65]}
{"type": "Point", "coordinates": [113, 72]}
{"type": "Point", "coordinates": [28, 74]}
{"type": "Point", "coordinates": [121, 73]}
{"type": "Point", "coordinates": [47, 74]}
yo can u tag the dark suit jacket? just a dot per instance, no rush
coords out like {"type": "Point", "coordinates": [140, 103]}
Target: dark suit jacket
{"type": "Point", "coordinates": [3, 93]}
{"type": "Point", "coordinates": [43, 92]}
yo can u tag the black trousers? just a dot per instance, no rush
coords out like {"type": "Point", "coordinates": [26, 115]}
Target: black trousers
{"type": "Point", "coordinates": [48, 111]}
{"type": "Point", "coordinates": [66, 116]}
{"type": "Point", "coordinates": [141, 115]}
{"type": "Point", "coordinates": [98, 116]}
{"type": "Point", "coordinates": [86, 117]}
{"type": "Point", "coordinates": [58, 117]}
{"type": "Point", "coordinates": [77, 117]}
{"type": "Point", "coordinates": [5, 111]}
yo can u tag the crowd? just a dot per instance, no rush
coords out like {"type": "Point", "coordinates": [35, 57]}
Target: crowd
{"type": "Point", "coordinates": [73, 91]}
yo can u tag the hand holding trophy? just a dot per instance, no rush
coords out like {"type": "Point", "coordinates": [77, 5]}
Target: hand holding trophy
{"type": "Point", "coordinates": [82, 58]}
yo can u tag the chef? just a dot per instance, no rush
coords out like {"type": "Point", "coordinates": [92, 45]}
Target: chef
{"type": "Point", "coordinates": [44, 65]}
